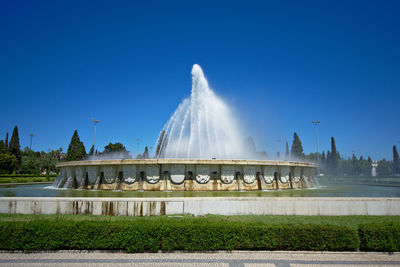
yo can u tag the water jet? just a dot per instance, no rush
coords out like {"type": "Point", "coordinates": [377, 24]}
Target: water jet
{"type": "Point", "coordinates": [200, 148]}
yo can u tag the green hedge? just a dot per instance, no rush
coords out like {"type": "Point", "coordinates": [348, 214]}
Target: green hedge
{"type": "Point", "coordinates": [380, 237]}
{"type": "Point", "coordinates": [168, 235]}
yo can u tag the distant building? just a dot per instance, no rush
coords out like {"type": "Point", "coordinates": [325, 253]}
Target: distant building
{"type": "Point", "coordinates": [374, 165]}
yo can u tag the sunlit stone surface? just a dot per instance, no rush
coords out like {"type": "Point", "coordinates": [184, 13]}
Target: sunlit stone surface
{"type": "Point", "coordinates": [185, 175]}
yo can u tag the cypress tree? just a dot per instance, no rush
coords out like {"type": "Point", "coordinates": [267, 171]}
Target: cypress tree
{"type": "Point", "coordinates": [14, 148]}
{"type": "Point", "coordinates": [396, 161]}
{"type": "Point", "coordinates": [328, 161]}
{"type": "Point", "coordinates": [334, 157]}
{"type": "Point", "coordinates": [287, 150]}
{"type": "Point", "coordinates": [2, 147]}
{"type": "Point", "coordinates": [91, 151]}
{"type": "Point", "coordinates": [297, 147]}
{"type": "Point", "coordinates": [76, 149]}
{"type": "Point", "coordinates": [6, 142]}
{"type": "Point", "coordinates": [146, 153]}
{"type": "Point", "coordinates": [323, 156]}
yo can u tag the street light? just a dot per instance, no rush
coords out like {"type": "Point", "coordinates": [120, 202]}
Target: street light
{"type": "Point", "coordinates": [95, 121]}
{"type": "Point", "coordinates": [316, 122]}
{"type": "Point", "coordinates": [30, 146]}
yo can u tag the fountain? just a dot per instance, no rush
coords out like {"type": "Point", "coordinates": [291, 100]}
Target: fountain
{"type": "Point", "coordinates": [201, 127]}
{"type": "Point", "coordinates": [200, 148]}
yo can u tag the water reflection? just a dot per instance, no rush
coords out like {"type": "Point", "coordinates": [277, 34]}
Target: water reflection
{"type": "Point", "coordinates": [42, 190]}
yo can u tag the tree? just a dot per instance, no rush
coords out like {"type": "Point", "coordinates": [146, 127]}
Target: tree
{"type": "Point", "coordinates": [76, 149]}
{"type": "Point", "coordinates": [287, 150]}
{"type": "Point", "coordinates": [6, 142]}
{"type": "Point", "coordinates": [146, 153]}
{"type": "Point", "coordinates": [91, 151]}
{"type": "Point", "coordinates": [116, 147]}
{"type": "Point", "coordinates": [278, 155]}
{"type": "Point", "coordinates": [334, 166]}
{"type": "Point", "coordinates": [14, 148]}
{"type": "Point", "coordinates": [297, 147]}
{"type": "Point", "coordinates": [323, 157]}
{"type": "Point", "coordinates": [2, 147]}
{"type": "Point", "coordinates": [8, 163]}
{"type": "Point", "coordinates": [384, 168]}
{"type": "Point", "coordinates": [396, 161]}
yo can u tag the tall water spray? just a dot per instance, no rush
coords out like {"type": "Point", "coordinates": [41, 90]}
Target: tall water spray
{"type": "Point", "coordinates": [201, 127]}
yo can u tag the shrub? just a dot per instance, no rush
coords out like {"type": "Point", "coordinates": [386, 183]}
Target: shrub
{"type": "Point", "coordinates": [153, 235]}
{"type": "Point", "coordinates": [380, 237]}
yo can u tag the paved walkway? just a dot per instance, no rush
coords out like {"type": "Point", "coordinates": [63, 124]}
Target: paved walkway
{"type": "Point", "coordinates": [231, 259]}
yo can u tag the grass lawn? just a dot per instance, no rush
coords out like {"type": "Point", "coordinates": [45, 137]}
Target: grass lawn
{"type": "Point", "coordinates": [350, 221]}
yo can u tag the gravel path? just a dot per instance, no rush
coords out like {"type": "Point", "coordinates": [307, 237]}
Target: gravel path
{"type": "Point", "coordinates": [237, 258]}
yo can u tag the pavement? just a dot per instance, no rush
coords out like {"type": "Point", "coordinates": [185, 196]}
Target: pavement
{"type": "Point", "coordinates": [231, 259]}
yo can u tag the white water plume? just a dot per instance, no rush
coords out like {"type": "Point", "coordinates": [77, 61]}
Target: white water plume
{"type": "Point", "coordinates": [202, 126]}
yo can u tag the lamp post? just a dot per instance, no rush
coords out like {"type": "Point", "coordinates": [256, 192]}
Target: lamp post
{"type": "Point", "coordinates": [316, 122]}
{"type": "Point", "coordinates": [30, 146]}
{"type": "Point", "coordinates": [95, 121]}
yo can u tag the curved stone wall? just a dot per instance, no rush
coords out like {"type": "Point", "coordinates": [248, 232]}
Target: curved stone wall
{"type": "Point", "coordinates": [185, 175]}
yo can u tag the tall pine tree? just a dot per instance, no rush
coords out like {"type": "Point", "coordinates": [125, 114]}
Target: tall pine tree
{"type": "Point", "coordinates": [334, 162]}
{"type": "Point", "coordinates": [297, 147]}
{"type": "Point", "coordinates": [396, 161]}
{"type": "Point", "coordinates": [14, 148]}
{"type": "Point", "coordinates": [76, 149]}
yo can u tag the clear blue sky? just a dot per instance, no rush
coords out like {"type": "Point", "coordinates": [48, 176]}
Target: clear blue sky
{"type": "Point", "coordinates": [281, 64]}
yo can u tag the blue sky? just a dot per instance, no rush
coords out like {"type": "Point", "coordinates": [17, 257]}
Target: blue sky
{"type": "Point", "coordinates": [280, 64]}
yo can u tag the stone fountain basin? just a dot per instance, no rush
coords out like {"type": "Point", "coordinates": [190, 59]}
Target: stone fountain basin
{"type": "Point", "coordinates": [185, 175]}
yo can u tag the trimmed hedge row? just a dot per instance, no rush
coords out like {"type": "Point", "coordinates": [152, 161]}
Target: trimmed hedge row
{"type": "Point", "coordinates": [380, 237]}
{"type": "Point", "coordinates": [168, 235]}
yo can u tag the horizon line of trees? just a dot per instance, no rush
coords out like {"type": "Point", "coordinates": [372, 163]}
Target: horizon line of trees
{"type": "Point", "coordinates": [333, 164]}
{"type": "Point", "coordinates": [15, 160]}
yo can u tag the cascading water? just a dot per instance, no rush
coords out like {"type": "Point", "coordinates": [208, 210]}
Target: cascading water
{"type": "Point", "coordinates": [201, 127]}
